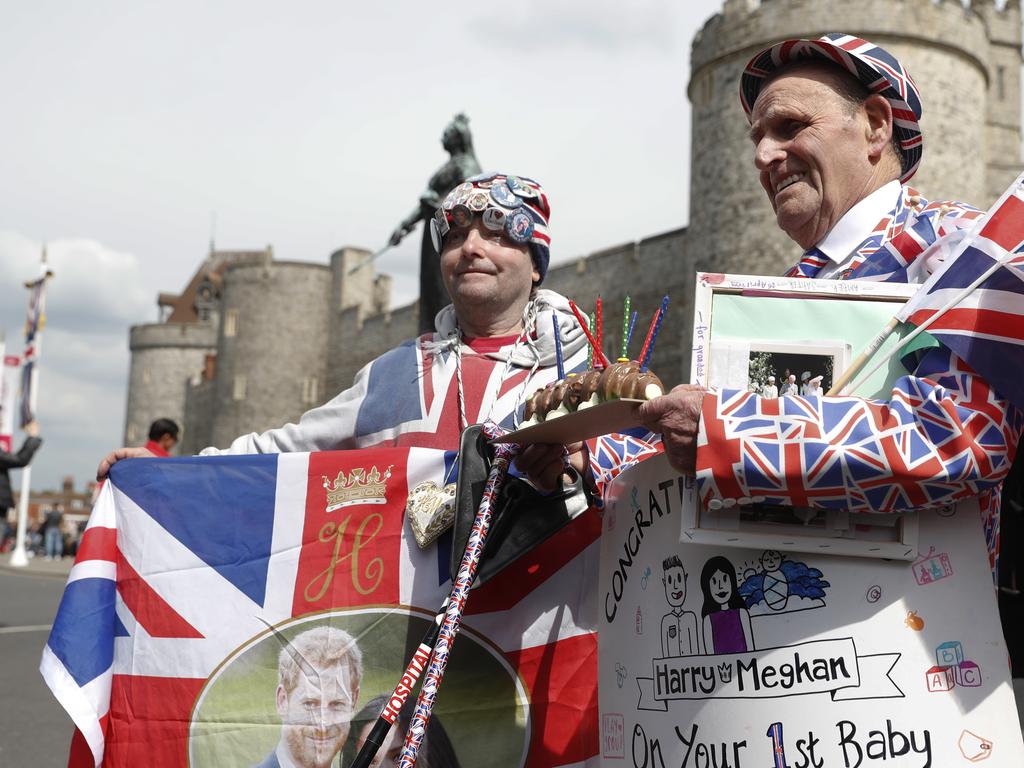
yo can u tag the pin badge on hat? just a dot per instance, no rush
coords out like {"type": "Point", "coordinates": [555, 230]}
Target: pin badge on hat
{"type": "Point", "coordinates": [494, 219]}
{"type": "Point", "coordinates": [520, 187]}
{"type": "Point", "coordinates": [478, 201]}
{"type": "Point", "coordinates": [442, 223]}
{"type": "Point", "coordinates": [502, 195]}
{"type": "Point", "coordinates": [461, 215]}
{"type": "Point", "coordinates": [450, 199]}
{"type": "Point", "coordinates": [465, 188]}
{"type": "Point", "coordinates": [480, 177]}
{"type": "Point", "coordinates": [438, 229]}
{"type": "Point", "coordinates": [519, 227]}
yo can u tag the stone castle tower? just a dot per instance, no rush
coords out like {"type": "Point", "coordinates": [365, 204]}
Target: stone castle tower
{"type": "Point", "coordinates": [247, 343]}
{"type": "Point", "coordinates": [253, 342]}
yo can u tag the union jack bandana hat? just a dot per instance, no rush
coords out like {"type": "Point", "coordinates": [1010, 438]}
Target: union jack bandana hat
{"type": "Point", "coordinates": [514, 205]}
{"type": "Point", "coordinates": [876, 68]}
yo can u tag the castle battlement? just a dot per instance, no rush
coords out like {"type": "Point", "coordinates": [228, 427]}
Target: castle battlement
{"type": "Point", "coordinates": [177, 335]}
{"type": "Point", "coordinates": [746, 26]}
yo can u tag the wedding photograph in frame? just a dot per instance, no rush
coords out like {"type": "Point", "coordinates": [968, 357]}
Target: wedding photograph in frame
{"type": "Point", "coordinates": [748, 328]}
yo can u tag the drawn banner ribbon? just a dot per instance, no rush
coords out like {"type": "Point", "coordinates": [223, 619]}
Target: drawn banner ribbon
{"type": "Point", "coordinates": [817, 666]}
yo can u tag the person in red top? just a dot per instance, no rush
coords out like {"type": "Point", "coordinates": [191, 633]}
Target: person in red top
{"type": "Point", "coordinates": [163, 436]}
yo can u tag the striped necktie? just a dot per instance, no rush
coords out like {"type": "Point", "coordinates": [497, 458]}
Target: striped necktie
{"type": "Point", "coordinates": [810, 264]}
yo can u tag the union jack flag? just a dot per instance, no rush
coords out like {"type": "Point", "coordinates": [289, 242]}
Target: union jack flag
{"type": "Point", "coordinates": [986, 327]}
{"type": "Point", "coordinates": [186, 562]}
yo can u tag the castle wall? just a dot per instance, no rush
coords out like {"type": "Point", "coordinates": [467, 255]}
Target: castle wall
{"type": "Point", "coordinates": [163, 356]}
{"type": "Point", "coordinates": [358, 339]}
{"type": "Point", "coordinates": [943, 45]}
{"type": "Point", "coordinates": [280, 339]}
{"type": "Point", "coordinates": [200, 410]}
{"type": "Point", "coordinates": [1002, 136]}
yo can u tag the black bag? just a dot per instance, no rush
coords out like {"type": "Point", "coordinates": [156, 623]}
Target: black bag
{"type": "Point", "coordinates": [522, 517]}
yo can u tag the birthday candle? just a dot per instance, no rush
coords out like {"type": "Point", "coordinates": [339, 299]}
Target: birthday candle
{"type": "Point", "coordinates": [558, 347]}
{"type": "Point", "coordinates": [653, 333]}
{"type": "Point", "coordinates": [629, 333]}
{"type": "Point", "coordinates": [590, 352]}
{"type": "Point", "coordinates": [625, 326]}
{"type": "Point", "coordinates": [599, 357]}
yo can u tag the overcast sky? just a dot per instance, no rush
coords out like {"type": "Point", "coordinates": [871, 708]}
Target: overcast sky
{"type": "Point", "coordinates": [307, 126]}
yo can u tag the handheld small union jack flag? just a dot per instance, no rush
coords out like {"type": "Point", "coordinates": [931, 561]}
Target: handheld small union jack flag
{"type": "Point", "coordinates": [974, 304]}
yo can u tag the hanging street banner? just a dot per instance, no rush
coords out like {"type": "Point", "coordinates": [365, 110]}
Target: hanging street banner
{"type": "Point", "coordinates": [718, 655]}
{"type": "Point", "coordinates": [9, 378]}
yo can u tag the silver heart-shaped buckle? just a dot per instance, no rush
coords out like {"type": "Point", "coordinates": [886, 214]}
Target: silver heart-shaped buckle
{"type": "Point", "coordinates": [431, 511]}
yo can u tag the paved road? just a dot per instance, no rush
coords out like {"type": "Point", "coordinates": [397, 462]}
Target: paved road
{"type": "Point", "coordinates": [34, 730]}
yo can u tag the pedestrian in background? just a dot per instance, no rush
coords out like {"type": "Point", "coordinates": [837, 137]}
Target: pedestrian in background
{"type": "Point", "coordinates": [53, 533]}
{"type": "Point", "coordinates": [9, 461]}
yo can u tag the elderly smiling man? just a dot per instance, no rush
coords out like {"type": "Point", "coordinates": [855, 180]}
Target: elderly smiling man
{"type": "Point", "coordinates": [834, 124]}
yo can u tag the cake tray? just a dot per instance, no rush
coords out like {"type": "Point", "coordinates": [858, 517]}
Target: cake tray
{"type": "Point", "coordinates": [610, 416]}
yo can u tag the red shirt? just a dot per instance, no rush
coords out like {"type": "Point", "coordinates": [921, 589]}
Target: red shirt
{"type": "Point", "coordinates": [483, 345]}
{"type": "Point", "coordinates": [154, 447]}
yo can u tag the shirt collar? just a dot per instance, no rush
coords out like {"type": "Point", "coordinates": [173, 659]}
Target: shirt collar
{"type": "Point", "coordinates": [284, 755]}
{"type": "Point", "coordinates": [859, 222]}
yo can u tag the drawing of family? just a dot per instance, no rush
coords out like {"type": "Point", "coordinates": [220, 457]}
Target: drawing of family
{"type": "Point", "coordinates": [726, 621]}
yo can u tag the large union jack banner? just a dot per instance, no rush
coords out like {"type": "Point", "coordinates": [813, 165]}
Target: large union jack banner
{"type": "Point", "coordinates": [195, 573]}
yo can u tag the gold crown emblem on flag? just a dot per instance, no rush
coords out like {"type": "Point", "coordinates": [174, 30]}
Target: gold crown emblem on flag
{"type": "Point", "coordinates": [358, 487]}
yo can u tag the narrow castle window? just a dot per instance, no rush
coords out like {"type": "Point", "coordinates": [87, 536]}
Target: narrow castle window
{"type": "Point", "coordinates": [230, 323]}
{"type": "Point", "coordinates": [146, 376]}
{"type": "Point", "coordinates": [309, 390]}
{"type": "Point", "coordinates": [133, 433]}
{"type": "Point", "coordinates": [1001, 82]}
{"type": "Point", "coordinates": [239, 390]}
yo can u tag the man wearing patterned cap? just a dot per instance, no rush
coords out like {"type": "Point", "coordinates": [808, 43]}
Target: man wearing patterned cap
{"type": "Point", "coordinates": [834, 124]}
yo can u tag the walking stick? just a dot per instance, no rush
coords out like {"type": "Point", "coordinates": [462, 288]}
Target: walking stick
{"type": "Point", "coordinates": [445, 626]}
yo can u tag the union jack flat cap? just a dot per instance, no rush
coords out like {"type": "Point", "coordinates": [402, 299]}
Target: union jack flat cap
{"type": "Point", "coordinates": [876, 68]}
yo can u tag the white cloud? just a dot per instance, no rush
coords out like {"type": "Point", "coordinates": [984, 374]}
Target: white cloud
{"type": "Point", "coordinates": [602, 26]}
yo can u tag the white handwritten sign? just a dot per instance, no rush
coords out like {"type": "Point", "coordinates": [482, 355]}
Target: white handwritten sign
{"type": "Point", "coordinates": [723, 657]}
